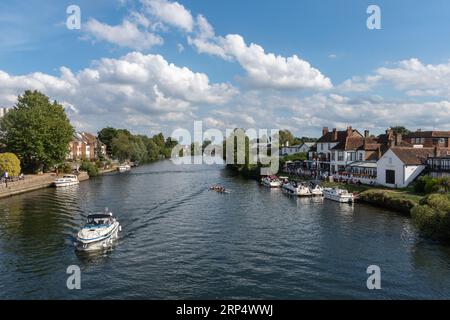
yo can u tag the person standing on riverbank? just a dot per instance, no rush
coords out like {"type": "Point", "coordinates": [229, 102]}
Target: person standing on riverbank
{"type": "Point", "coordinates": [6, 176]}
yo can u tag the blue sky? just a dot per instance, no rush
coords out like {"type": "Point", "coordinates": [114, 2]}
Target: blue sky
{"type": "Point", "coordinates": [404, 66]}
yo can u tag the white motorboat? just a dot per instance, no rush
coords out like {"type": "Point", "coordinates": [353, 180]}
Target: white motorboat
{"type": "Point", "coordinates": [99, 232]}
{"type": "Point", "coordinates": [338, 195]}
{"type": "Point", "coordinates": [296, 189]}
{"type": "Point", "coordinates": [271, 182]}
{"type": "Point", "coordinates": [67, 180]}
{"type": "Point", "coordinates": [316, 190]}
{"type": "Point", "coordinates": [124, 168]}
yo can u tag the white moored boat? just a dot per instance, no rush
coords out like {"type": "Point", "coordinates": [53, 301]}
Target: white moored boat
{"type": "Point", "coordinates": [316, 190]}
{"type": "Point", "coordinates": [338, 195]}
{"type": "Point", "coordinates": [66, 181]}
{"type": "Point", "coordinates": [271, 182]}
{"type": "Point", "coordinates": [296, 189]}
{"type": "Point", "coordinates": [98, 233]}
{"type": "Point", "coordinates": [124, 168]}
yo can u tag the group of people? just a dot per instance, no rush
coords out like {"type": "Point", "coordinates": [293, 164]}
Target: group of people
{"type": "Point", "coordinates": [6, 178]}
{"type": "Point", "coordinates": [218, 188]}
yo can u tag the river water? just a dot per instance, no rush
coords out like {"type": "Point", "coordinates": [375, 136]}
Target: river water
{"type": "Point", "coordinates": [182, 241]}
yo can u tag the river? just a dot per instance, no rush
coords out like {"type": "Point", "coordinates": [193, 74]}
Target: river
{"type": "Point", "coordinates": [182, 241]}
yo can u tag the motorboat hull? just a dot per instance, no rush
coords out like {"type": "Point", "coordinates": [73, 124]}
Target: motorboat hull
{"type": "Point", "coordinates": [342, 198]}
{"type": "Point", "coordinates": [271, 184]}
{"type": "Point", "coordinates": [99, 243]}
{"type": "Point", "coordinates": [296, 191]}
{"type": "Point", "coordinates": [66, 184]}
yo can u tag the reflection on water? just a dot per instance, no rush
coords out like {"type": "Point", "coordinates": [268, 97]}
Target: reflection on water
{"type": "Point", "coordinates": [180, 240]}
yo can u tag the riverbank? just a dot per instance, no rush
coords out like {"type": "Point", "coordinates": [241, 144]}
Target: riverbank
{"type": "Point", "coordinates": [402, 200]}
{"type": "Point", "coordinates": [32, 183]}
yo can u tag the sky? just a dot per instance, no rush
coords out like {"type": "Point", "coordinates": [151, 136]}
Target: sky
{"type": "Point", "coordinates": [158, 65]}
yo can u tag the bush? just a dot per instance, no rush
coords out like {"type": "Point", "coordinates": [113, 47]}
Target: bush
{"type": "Point", "coordinates": [427, 184]}
{"type": "Point", "coordinates": [432, 217]}
{"type": "Point", "coordinates": [65, 168]}
{"type": "Point", "coordinates": [90, 168]}
{"type": "Point", "coordinates": [9, 163]}
{"type": "Point", "coordinates": [388, 200]}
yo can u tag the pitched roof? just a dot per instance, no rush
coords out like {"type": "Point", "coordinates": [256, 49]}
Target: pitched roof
{"type": "Point", "coordinates": [341, 136]}
{"type": "Point", "coordinates": [413, 156]}
{"type": "Point", "coordinates": [429, 134]}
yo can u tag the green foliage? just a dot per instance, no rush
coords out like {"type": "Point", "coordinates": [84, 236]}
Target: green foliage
{"type": "Point", "coordinates": [37, 130]}
{"type": "Point", "coordinates": [427, 184]}
{"type": "Point", "coordinates": [106, 136]}
{"type": "Point", "coordinates": [296, 157]}
{"type": "Point", "coordinates": [124, 146]}
{"type": "Point", "coordinates": [9, 163]}
{"type": "Point", "coordinates": [65, 168]}
{"type": "Point", "coordinates": [90, 168]}
{"type": "Point", "coordinates": [400, 130]}
{"type": "Point", "coordinates": [391, 200]}
{"type": "Point", "coordinates": [432, 216]}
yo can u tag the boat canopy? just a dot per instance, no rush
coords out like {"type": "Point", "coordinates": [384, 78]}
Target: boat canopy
{"type": "Point", "coordinates": [99, 216]}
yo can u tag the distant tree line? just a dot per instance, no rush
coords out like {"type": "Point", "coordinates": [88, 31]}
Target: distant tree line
{"type": "Point", "coordinates": [121, 144]}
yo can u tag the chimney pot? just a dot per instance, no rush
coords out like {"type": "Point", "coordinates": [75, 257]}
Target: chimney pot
{"type": "Point", "coordinates": [366, 133]}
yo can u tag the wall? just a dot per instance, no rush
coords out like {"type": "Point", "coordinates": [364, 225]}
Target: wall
{"type": "Point", "coordinates": [395, 164]}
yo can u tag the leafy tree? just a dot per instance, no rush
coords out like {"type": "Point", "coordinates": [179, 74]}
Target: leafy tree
{"type": "Point", "coordinates": [37, 130]}
{"type": "Point", "coordinates": [9, 163]}
{"type": "Point", "coordinates": [106, 136]}
{"type": "Point", "coordinates": [286, 137]}
{"type": "Point", "coordinates": [90, 168]}
{"type": "Point", "coordinates": [400, 130]}
{"type": "Point", "coordinates": [122, 148]}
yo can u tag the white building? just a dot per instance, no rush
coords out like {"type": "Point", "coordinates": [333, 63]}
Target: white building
{"type": "Point", "coordinates": [400, 166]}
{"type": "Point", "coordinates": [3, 111]}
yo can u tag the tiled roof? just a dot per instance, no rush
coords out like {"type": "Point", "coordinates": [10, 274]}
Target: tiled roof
{"type": "Point", "coordinates": [429, 134]}
{"type": "Point", "coordinates": [413, 156]}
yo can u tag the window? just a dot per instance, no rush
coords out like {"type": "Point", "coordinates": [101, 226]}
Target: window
{"type": "Point", "coordinates": [390, 176]}
{"type": "Point", "coordinates": [340, 156]}
{"type": "Point", "coordinates": [360, 157]}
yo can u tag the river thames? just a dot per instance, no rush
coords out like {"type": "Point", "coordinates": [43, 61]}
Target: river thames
{"type": "Point", "coordinates": [182, 241]}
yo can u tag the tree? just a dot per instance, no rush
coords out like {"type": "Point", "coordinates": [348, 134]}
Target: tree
{"type": "Point", "coordinates": [401, 130]}
{"type": "Point", "coordinates": [286, 137]}
{"type": "Point", "coordinates": [37, 130]}
{"type": "Point", "coordinates": [122, 148]}
{"type": "Point", "coordinates": [106, 136]}
{"type": "Point", "coordinates": [9, 163]}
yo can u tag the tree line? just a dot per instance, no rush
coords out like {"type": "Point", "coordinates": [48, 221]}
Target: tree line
{"type": "Point", "coordinates": [38, 132]}
{"type": "Point", "coordinates": [121, 144]}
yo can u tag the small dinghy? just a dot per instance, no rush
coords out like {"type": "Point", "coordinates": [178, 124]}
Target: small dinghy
{"type": "Point", "coordinates": [99, 232]}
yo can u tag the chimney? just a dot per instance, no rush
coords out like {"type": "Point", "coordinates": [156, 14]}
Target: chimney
{"type": "Point", "coordinates": [366, 133]}
{"type": "Point", "coordinates": [437, 152]}
{"type": "Point", "coordinates": [379, 152]}
{"type": "Point", "coordinates": [349, 131]}
{"type": "Point", "coordinates": [398, 139]}
{"type": "Point", "coordinates": [324, 131]}
{"type": "Point", "coordinates": [335, 136]}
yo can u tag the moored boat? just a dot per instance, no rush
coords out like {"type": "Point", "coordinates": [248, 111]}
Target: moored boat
{"type": "Point", "coordinates": [296, 189]}
{"type": "Point", "coordinates": [99, 232]}
{"type": "Point", "coordinates": [124, 168]}
{"type": "Point", "coordinates": [66, 180]}
{"type": "Point", "coordinates": [338, 195]}
{"type": "Point", "coordinates": [271, 182]}
{"type": "Point", "coordinates": [316, 190]}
